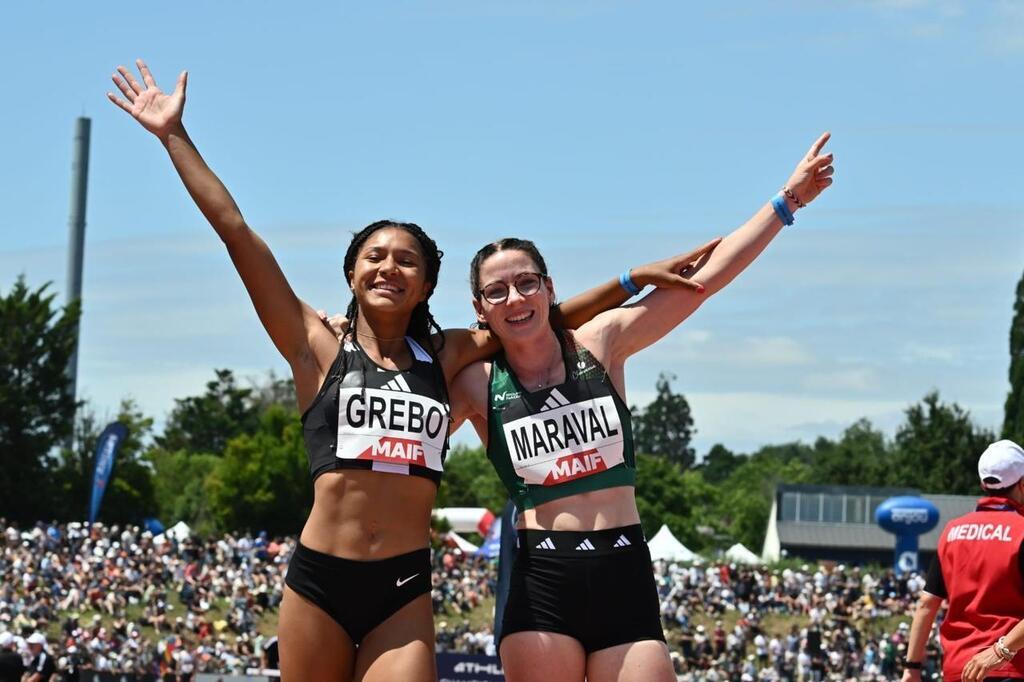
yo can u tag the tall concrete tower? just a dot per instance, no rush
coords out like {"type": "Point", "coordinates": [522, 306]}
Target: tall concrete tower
{"type": "Point", "coordinates": [76, 230]}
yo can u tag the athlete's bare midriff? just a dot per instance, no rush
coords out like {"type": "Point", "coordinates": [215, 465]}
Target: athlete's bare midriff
{"type": "Point", "coordinates": [597, 510]}
{"type": "Point", "coordinates": [367, 515]}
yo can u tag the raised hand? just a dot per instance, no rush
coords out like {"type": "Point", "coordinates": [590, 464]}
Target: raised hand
{"type": "Point", "coordinates": [158, 112]}
{"type": "Point", "coordinates": [674, 271]}
{"type": "Point", "coordinates": [812, 175]}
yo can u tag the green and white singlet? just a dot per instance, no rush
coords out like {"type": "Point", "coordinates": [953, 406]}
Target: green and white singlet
{"type": "Point", "coordinates": [562, 440]}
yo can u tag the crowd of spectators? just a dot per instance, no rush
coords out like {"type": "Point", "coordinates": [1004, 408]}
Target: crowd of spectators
{"type": "Point", "coordinates": [102, 596]}
{"type": "Point", "coordinates": [832, 609]}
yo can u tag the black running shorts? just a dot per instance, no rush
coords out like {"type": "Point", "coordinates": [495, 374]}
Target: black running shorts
{"type": "Point", "coordinates": [597, 587]}
{"type": "Point", "coordinates": [359, 595]}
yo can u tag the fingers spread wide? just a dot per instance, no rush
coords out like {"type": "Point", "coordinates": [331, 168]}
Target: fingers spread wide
{"type": "Point", "coordinates": [119, 102]}
{"type": "Point", "coordinates": [147, 77]}
{"type": "Point", "coordinates": [130, 79]}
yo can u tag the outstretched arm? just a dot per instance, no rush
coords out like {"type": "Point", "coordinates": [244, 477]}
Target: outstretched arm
{"type": "Point", "coordinates": [465, 346]}
{"type": "Point", "coordinates": [584, 307]}
{"type": "Point", "coordinates": [293, 326]}
{"type": "Point", "coordinates": [635, 327]}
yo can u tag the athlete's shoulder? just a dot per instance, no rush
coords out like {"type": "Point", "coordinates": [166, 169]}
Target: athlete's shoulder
{"type": "Point", "coordinates": [471, 383]}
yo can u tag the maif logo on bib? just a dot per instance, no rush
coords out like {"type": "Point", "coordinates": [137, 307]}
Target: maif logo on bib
{"type": "Point", "coordinates": [391, 427]}
{"type": "Point", "coordinates": [566, 440]}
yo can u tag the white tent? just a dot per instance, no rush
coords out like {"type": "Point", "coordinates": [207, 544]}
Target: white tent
{"type": "Point", "coordinates": [467, 519]}
{"type": "Point", "coordinates": [179, 531]}
{"type": "Point", "coordinates": [741, 555]}
{"type": "Point", "coordinates": [664, 545]}
{"type": "Point", "coordinates": [461, 543]}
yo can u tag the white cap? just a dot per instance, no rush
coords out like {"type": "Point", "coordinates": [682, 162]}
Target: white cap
{"type": "Point", "coordinates": [36, 638]}
{"type": "Point", "coordinates": [1001, 465]}
{"type": "Point", "coordinates": [6, 639]}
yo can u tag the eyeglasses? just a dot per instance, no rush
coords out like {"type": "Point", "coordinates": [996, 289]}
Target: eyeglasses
{"type": "Point", "coordinates": [526, 283]}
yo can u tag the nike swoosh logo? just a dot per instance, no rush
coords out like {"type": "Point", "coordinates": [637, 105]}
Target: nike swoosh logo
{"type": "Point", "coordinates": [400, 582]}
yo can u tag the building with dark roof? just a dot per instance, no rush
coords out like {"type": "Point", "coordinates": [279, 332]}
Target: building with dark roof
{"type": "Point", "coordinates": [837, 523]}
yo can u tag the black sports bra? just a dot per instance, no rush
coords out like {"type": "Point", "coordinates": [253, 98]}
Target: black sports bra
{"type": "Point", "coordinates": [379, 419]}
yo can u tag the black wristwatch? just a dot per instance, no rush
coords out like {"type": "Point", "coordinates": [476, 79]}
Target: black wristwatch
{"type": "Point", "coordinates": [912, 665]}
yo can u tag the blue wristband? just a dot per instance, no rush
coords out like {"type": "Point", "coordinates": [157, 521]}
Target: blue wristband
{"type": "Point", "coordinates": [628, 284]}
{"type": "Point", "coordinates": [781, 209]}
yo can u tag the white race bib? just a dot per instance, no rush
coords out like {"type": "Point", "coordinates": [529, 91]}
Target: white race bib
{"type": "Point", "coordinates": [565, 441]}
{"type": "Point", "coordinates": [392, 429]}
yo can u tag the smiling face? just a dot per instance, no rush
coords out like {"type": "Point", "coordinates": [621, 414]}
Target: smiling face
{"type": "Point", "coordinates": [518, 316]}
{"type": "Point", "coordinates": [390, 272]}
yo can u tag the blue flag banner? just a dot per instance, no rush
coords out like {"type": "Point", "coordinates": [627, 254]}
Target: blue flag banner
{"type": "Point", "coordinates": [106, 449]}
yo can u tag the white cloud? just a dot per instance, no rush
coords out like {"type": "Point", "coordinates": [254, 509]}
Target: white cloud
{"type": "Point", "coordinates": [915, 352]}
{"type": "Point", "coordinates": [743, 421]}
{"type": "Point", "coordinates": [852, 379]}
{"type": "Point", "coordinates": [1006, 31]}
{"type": "Point", "coordinates": [744, 352]}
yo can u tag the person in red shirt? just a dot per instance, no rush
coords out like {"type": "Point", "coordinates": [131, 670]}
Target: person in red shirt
{"type": "Point", "coordinates": [979, 571]}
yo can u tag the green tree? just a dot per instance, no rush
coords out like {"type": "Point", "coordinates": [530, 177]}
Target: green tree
{"type": "Point", "coordinates": [470, 481]}
{"type": "Point", "coordinates": [179, 486]}
{"type": "Point", "coordinates": [719, 463]}
{"type": "Point", "coordinates": [938, 446]}
{"type": "Point", "coordinates": [273, 390]}
{"type": "Point", "coordinates": [1013, 422]}
{"type": "Point", "coordinates": [36, 410]}
{"type": "Point", "coordinates": [129, 496]}
{"type": "Point", "coordinates": [262, 480]}
{"type": "Point", "coordinates": [665, 426]}
{"type": "Point", "coordinates": [861, 456]}
{"type": "Point", "coordinates": [206, 423]}
{"type": "Point", "coordinates": [746, 495]}
{"type": "Point", "coordinates": [680, 499]}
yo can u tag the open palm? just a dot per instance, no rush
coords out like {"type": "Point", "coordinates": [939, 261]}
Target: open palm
{"type": "Point", "coordinates": [157, 111]}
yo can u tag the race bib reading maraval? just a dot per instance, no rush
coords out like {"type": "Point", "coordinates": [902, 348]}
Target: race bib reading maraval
{"type": "Point", "coordinates": [564, 440]}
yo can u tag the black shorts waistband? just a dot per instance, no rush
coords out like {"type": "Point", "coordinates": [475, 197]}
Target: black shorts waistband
{"type": "Point", "coordinates": [337, 562]}
{"type": "Point", "coordinates": [580, 543]}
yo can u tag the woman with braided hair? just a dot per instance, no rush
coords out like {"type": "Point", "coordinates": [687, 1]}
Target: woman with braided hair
{"type": "Point", "coordinates": [375, 419]}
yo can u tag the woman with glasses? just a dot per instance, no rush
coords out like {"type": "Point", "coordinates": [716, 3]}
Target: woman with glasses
{"type": "Point", "coordinates": [551, 409]}
{"type": "Point", "coordinates": [375, 419]}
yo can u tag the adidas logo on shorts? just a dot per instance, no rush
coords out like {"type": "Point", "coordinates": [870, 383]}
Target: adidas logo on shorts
{"type": "Point", "coordinates": [546, 544]}
{"type": "Point", "coordinates": [555, 400]}
{"type": "Point", "coordinates": [622, 542]}
{"type": "Point", "coordinates": [397, 384]}
{"type": "Point", "coordinates": [586, 545]}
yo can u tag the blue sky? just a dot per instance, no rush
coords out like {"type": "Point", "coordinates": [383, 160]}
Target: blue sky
{"type": "Point", "coordinates": [610, 132]}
